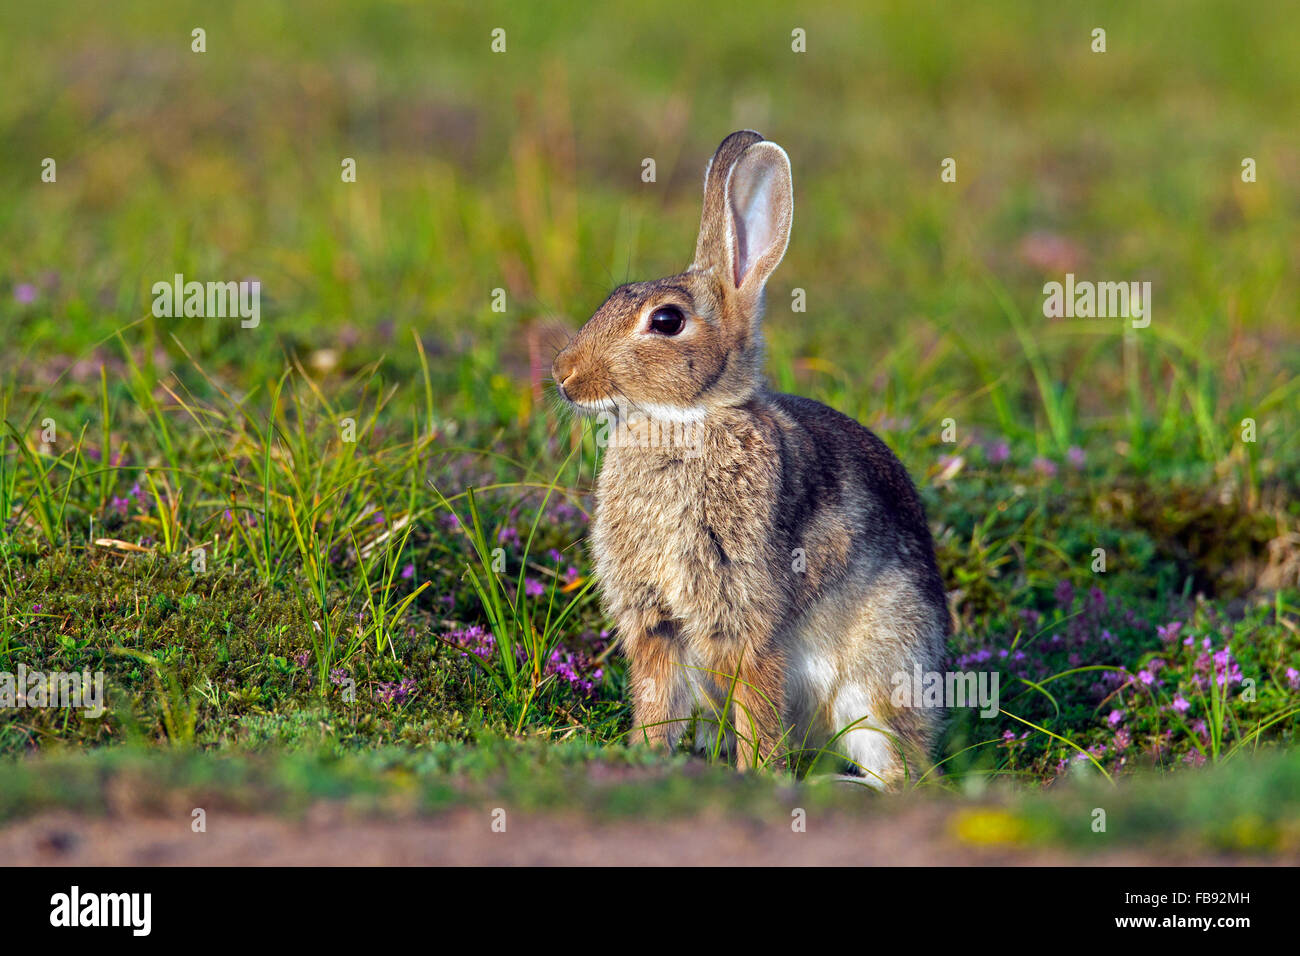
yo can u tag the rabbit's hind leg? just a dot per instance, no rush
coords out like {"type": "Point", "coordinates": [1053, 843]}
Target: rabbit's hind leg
{"type": "Point", "coordinates": [866, 739]}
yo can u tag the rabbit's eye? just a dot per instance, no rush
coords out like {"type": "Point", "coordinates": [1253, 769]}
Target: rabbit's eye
{"type": "Point", "coordinates": [667, 320]}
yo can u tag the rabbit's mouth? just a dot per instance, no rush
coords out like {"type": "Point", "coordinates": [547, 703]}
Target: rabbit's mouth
{"type": "Point", "coordinates": [586, 397]}
{"type": "Point", "coordinates": [588, 407]}
{"type": "Point", "coordinates": [593, 408]}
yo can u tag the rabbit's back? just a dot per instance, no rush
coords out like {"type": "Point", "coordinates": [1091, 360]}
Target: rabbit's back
{"type": "Point", "coordinates": [837, 469]}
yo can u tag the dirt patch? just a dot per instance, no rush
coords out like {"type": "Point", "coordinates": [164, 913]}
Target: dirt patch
{"type": "Point", "coordinates": [327, 836]}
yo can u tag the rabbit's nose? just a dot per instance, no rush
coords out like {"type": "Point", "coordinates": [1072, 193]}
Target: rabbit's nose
{"type": "Point", "coordinates": [563, 370]}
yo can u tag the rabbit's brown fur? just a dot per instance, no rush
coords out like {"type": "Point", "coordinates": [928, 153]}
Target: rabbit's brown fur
{"type": "Point", "coordinates": [750, 543]}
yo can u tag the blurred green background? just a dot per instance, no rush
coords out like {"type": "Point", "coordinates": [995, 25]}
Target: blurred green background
{"type": "Point", "coordinates": [522, 170]}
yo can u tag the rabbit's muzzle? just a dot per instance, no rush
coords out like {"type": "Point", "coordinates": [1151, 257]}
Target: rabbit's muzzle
{"type": "Point", "coordinates": [573, 379]}
{"type": "Point", "coordinates": [564, 371]}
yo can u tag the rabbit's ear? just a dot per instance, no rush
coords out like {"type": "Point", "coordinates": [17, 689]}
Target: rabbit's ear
{"type": "Point", "coordinates": [713, 248]}
{"type": "Point", "coordinates": [760, 203]}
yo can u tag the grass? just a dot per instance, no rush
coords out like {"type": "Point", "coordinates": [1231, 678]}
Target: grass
{"type": "Point", "coordinates": [357, 528]}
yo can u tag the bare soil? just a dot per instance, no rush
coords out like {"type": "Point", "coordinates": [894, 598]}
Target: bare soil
{"type": "Point", "coordinates": [329, 837]}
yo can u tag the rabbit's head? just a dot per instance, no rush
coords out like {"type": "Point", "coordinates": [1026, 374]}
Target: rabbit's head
{"type": "Point", "coordinates": [675, 348]}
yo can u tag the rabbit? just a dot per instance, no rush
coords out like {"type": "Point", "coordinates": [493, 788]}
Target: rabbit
{"type": "Point", "coordinates": [779, 560]}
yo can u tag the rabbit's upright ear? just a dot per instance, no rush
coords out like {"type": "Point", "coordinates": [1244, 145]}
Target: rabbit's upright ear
{"type": "Point", "coordinates": [748, 209]}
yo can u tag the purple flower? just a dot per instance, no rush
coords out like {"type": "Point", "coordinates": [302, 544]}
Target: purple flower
{"type": "Point", "coordinates": [1226, 668]}
{"type": "Point", "coordinates": [1146, 677]}
{"type": "Point", "coordinates": [1076, 456]}
{"type": "Point", "coordinates": [571, 667]}
{"type": "Point", "coordinates": [25, 293]}
{"type": "Point", "coordinates": [1114, 717]}
{"type": "Point", "coordinates": [1112, 678]}
{"type": "Point", "coordinates": [1180, 704]}
{"type": "Point", "coordinates": [473, 640]}
{"type": "Point", "coordinates": [1045, 467]}
{"type": "Point", "coordinates": [408, 572]}
{"type": "Point", "coordinates": [564, 512]}
{"type": "Point", "coordinates": [1169, 632]}
{"type": "Point", "coordinates": [999, 453]}
{"type": "Point", "coordinates": [396, 693]}
{"type": "Point", "coordinates": [1064, 594]}
{"type": "Point", "coordinates": [1293, 678]}
{"type": "Point", "coordinates": [533, 588]}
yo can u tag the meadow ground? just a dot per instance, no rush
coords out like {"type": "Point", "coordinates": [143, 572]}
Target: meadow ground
{"type": "Point", "coordinates": [331, 566]}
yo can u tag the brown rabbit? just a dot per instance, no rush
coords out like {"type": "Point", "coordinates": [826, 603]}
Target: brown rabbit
{"type": "Point", "coordinates": [751, 546]}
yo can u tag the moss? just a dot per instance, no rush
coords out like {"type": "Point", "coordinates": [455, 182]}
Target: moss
{"type": "Point", "coordinates": [235, 651]}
